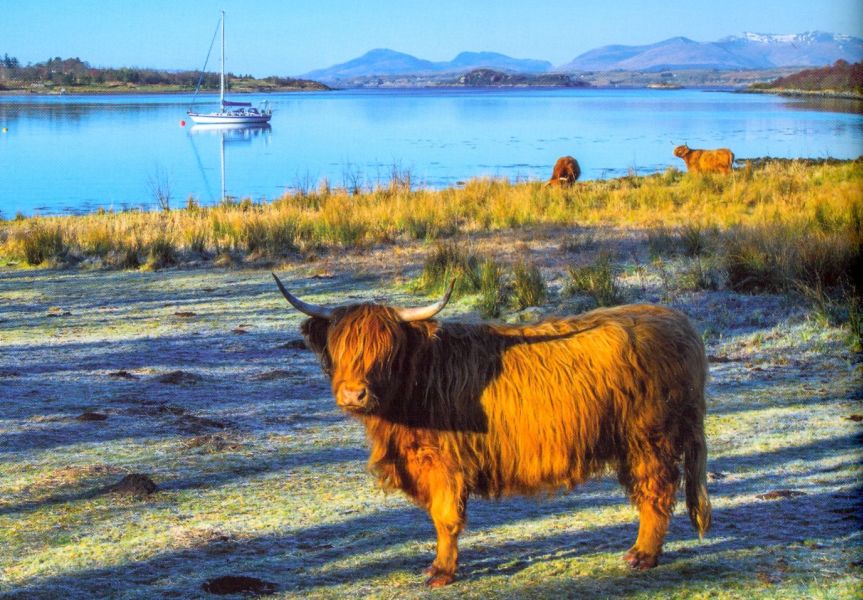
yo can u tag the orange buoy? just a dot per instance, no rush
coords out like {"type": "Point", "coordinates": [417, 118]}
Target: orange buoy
{"type": "Point", "coordinates": [182, 123]}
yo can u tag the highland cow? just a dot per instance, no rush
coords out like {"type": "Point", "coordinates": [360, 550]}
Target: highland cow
{"type": "Point", "coordinates": [453, 410]}
{"type": "Point", "coordinates": [565, 172]}
{"type": "Point", "coordinates": [706, 161]}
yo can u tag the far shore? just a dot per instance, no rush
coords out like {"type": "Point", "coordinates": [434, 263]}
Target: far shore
{"type": "Point", "coordinates": [804, 93]}
{"type": "Point", "coordinates": [151, 90]}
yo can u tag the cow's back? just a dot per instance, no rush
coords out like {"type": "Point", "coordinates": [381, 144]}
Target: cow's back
{"type": "Point", "coordinates": [573, 393]}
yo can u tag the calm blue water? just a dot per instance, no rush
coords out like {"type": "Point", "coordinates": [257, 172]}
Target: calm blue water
{"type": "Point", "coordinates": [72, 154]}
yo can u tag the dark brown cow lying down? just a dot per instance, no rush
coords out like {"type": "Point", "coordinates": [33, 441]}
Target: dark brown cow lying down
{"type": "Point", "coordinates": [720, 160]}
{"type": "Point", "coordinates": [565, 172]}
{"type": "Point", "coordinates": [454, 409]}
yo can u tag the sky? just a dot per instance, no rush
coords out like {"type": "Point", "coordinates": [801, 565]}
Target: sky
{"type": "Point", "coordinates": [292, 37]}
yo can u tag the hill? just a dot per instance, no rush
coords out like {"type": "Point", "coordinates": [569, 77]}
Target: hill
{"type": "Point", "coordinates": [840, 78]}
{"type": "Point", "coordinates": [492, 78]}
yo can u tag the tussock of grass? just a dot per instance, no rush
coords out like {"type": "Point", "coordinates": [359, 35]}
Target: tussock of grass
{"type": "Point", "coordinates": [695, 240]}
{"type": "Point", "coordinates": [446, 262]}
{"type": "Point", "coordinates": [529, 287]}
{"type": "Point", "coordinates": [161, 253]}
{"type": "Point", "coordinates": [776, 257]}
{"type": "Point", "coordinates": [700, 274]}
{"type": "Point", "coordinates": [597, 280]}
{"type": "Point", "coordinates": [661, 242]}
{"type": "Point", "coordinates": [38, 241]}
{"type": "Point", "coordinates": [493, 292]}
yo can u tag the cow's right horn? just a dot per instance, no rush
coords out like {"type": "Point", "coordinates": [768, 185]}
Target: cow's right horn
{"type": "Point", "coordinates": [421, 313]}
{"type": "Point", "coordinates": [313, 310]}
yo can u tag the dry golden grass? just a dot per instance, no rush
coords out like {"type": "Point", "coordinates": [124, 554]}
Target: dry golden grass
{"type": "Point", "coordinates": [793, 200]}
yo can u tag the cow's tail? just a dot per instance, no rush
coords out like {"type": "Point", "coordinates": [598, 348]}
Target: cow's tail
{"type": "Point", "coordinates": [695, 466]}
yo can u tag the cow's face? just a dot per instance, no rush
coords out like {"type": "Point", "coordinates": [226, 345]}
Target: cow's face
{"type": "Point", "coordinates": [681, 151]}
{"type": "Point", "coordinates": [359, 348]}
{"type": "Point", "coordinates": [362, 347]}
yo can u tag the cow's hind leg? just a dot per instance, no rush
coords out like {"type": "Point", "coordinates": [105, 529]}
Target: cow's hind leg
{"type": "Point", "coordinates": [652, 486]}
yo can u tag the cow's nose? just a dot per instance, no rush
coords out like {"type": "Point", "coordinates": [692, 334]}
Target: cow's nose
{"type": "Point", "coordinates": [353, 397]}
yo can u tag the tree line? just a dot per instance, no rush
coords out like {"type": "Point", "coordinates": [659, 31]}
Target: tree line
{"type": "Point", "coordinates": [74, 71]}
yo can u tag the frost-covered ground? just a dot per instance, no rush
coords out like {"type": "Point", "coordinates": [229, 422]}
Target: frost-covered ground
{"type": "Point", "coordinates": [204, 389]}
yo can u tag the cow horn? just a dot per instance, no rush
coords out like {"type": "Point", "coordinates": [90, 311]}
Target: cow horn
{"type": "Point", "coordinates": [421, 313]}
{"type": "Point", "coordinates": [313, 310]}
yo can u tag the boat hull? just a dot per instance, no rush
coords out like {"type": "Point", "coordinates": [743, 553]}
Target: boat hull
{"type": "Point", "coordinates": [228, 119]}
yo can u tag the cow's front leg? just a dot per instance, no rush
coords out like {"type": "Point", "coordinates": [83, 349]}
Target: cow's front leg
{"type": "Point", "coordinates": [446, 506]}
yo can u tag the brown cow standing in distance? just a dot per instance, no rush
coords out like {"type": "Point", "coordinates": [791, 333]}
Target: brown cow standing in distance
{"type": "Point", "coordinates": [565, 172]}
{"type": "Point", "coordinates": [720, 160]}
{"type": "Point", "coordinates": [455, 409]}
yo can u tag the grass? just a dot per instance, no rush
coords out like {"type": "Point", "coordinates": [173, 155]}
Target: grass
{"type": "Point", "coordinates": [260, 475]}
{"type": "Point", "coordinates": [785, 193]}
{"type": "Point", "coordinates": [285, 496]}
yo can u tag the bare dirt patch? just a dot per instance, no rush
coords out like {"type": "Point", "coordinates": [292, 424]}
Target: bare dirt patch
{"type": "Point", "coordinates": [273, 375]}
{"type": "Point", "coordinates": [238, 584]}
{"type": "Point", "coordinates": [179, 378]}
{"type": "Point", "coordinates": [780, 494]}
{"type": "Point", "coordinates": [212, 443]}
{"type": "Point", "coordinates": [293, 345]}
{"type": "Point", "coordinates": [134, 485]}
{"type": "Point", "coordinates": [92, 416]}
{"type": "Point", "coordinates": [122, 374]}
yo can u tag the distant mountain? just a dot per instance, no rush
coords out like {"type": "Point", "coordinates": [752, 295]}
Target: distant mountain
{"type": "Point", "coordinates": [384, 62]}
{"type": "Point", "coordinates": [749, 51]}
{"type": "Point", "coordinates": [812, 49]}
{"type": "Point", "coordinates": [381, 61]}
{"type": "Point", "coordinates": [496, 61]}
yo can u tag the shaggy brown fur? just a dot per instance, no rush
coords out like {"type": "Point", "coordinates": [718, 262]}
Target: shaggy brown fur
{"type": "Point", "coordinates": [706, 161]}
{"type": "Point", "coordinates": [455, 409]}
{"type": "Point", "coordinates": [565, 172]}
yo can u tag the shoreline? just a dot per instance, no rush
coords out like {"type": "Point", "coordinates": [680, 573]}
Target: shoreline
{"type": "Point", "coordinates": [151, 92]}
{"type": "Point", "coordinates": [793, 93]}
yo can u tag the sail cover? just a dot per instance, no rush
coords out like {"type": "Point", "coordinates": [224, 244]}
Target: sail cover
{"type": "Point", "coordinates": [230, 103]}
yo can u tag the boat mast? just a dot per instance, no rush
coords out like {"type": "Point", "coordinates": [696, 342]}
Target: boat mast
{"type": "Point", "coordinates": [222, 77]}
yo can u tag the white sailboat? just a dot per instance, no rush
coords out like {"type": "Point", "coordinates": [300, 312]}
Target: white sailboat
{"type": "Point", "coordinates": [230, 113]}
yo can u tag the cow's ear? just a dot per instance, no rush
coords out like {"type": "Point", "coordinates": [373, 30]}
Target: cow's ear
{"type": "Point", "coordinates": [314, 332]}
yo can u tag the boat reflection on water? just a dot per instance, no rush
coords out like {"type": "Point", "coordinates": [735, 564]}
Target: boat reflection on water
{"type": "Point", "coordinates": [231, 133]}
{"type": "Point", "coordinates": [235, 132]}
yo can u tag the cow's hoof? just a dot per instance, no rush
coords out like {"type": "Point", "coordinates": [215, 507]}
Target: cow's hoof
{"type": "Point", "coordinates": [640, 560]}
{"type": "Point", "coordinates": [439, 579]}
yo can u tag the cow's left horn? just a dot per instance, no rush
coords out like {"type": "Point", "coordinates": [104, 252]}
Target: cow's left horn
{"type": "Point", "coordinates": [421, 313]}
{"type": "Point", "coordinates": [313, 310]}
